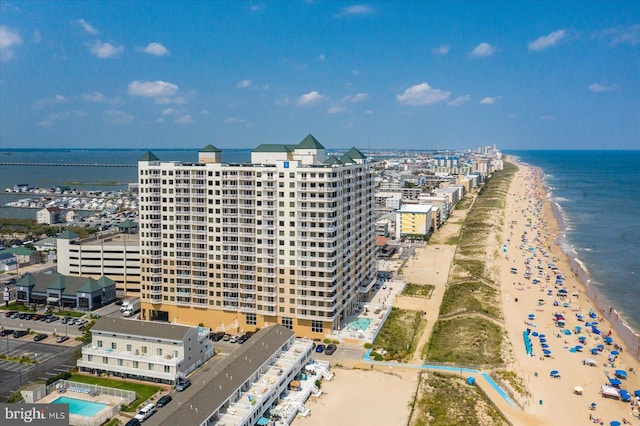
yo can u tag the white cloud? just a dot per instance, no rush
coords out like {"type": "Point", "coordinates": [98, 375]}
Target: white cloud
{"type": "Point", "coordinates": [152, 89]}
{"type": "Point", "coordinates": [36, 37]}
{"type": "Point", "coordinates": [336, 109]}
{"type": "Point", "coordinates": [60, 116]}
{"type": "Point", "coordinates": [86, 26]}
{"type": "Point", "coordinates": [359, 97]}
{"type": "Point", "coordinates": [355, 72]}
{"type": "Point", "coordinates": [8, 41]}
{"type": "Point", "coordinates": [244, 84]}
{"type": "Point", "coordinates": [355, 10]}
{"type": "Point", "coordinates": [422, 94]}
{"type": "Point", "coordinates": [41, 103]}
{"type": "Point", "coordinates": [105, 50]}
{"type": "Point", "coordinates": [550, 40]}
{"type": "Point", "coordinates": [459, 100]}
{"type": "Point", "coordinates": [547, 118]}
{"type": "Point", "coordinates": [490, 100]}
{"type": "Point", "coordinates": [598, 88]}
{"type": "Point", "coordinates": [119, 117]}
{"type": "Point", "coordinates": [156, 49]}
{"type": "Point", "coordinates": [321, 57]}
{"type": "Point", "coordinates": [204, 112]}
{"type": "Point", "coordinates": [169, 111]}
{"type": "Point", "coordinates": [99, 97]}
{"type": "Point", "coordinates": [619, 35]}
{"type": "Point", "coordinates": [257, 7]}
{"type": "Point", "coordinates": [483, 49]}
{"type": "Point", "coordinates": [441, 50]}
{"type": "Point", "coordinates": [310, 98]}
{"type": "Point", "coordinates": [185, 119]}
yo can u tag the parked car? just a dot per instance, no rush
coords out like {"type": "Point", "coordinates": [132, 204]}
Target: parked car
{"type": "Point", "coordinates": [9, 314]}
{"type": "Point", "coordinates": [19, 333]}
{"type": "Point", "coordinates": [164, 400]}
{"type": "Point", "coordinates": [233, 339]}
{"type": "Point", "coordinates": [243, 338]}
{"type": "Point", "coordinates": [133, 422]}
{"type": "Point", "coordinates": [320, 348]}
{"type": "Point", "coordinates": [146, 412]}
{"type": "Point", "coordinates": [52, 319]}
{"type": "Point", "coordinates": [39, 337]}
{"type": "Point", "coordinates": [331, 348]}
{"type": "Point", "coordinates": [226, 337]}
{"type": "Point", "coordinates": [36, 317]}
{"type": "Point", "coordinates": [183, 384]}
{"type": "Point", "coordinates": [15, 315]}
{"type": "Point", "coordinates": [6, 332]}
{"type": "Point", "coordinates": [216, 336]}
{"type": "Point", "coordinates": [61, 339]}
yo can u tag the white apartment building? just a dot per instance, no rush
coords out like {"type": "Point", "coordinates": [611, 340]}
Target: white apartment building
{"type": "Point", "coordinates": [144, 350]}
{"type": "Point", "coordinates": [286, 239]}
{"type": "Point", "coordinates": [116, 256]}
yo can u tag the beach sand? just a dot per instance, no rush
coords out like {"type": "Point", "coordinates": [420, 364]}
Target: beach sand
{"type": "Point", "coordinates": [553, 401]}
{"type": "Point", "coordinates": [357, 397]}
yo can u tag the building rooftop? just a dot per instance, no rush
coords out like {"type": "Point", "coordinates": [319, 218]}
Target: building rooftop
{"type": "Point", "coordinates": [152, 329]}
{"type": "Point", "coordinates": [210, 148]}
{"type": "Point", "coordinates": [70, 285]}
{"type": "Point", "coordinates": [221, 381]}
{"type": "Point", "coordinates": [149, 156]}
{"type": "Point", "coordinates": [310, 143]}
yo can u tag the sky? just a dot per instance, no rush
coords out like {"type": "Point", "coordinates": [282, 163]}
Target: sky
{"type": "Point", "coordinates": [378, 75]}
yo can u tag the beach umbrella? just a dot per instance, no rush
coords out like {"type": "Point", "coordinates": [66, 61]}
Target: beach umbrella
{"type": "Point", "coordinates": [546, 352]}
{"type": "Point", "coordinates": [595, 330]}
{"type": "Point", "coordinates": [621, 374]}
{"type": "Point", "coordinates": [608, 340]}
{"type": "Point", "coordinates": [582, 340]}
{"type": "Point", "coordinates": [578, 348]}
{"type": "Point", "coordinates": [614, 423]}
{"type": "Point", "coordinates": [600, 347]}
{"type": "Point", "coordinates": [594, 351]}
{"type": "Point", "coordinates": [593, 323]}
{"type": "Point", "coordinates": [577, 329]}
{"type": "Point", "coordinates": [614, 382]}
{"type": "Point", "coordinates": [615, 353]}
{"type": "Point", "coordinates": [637, 393]}
{"type": "Point", "coordinates": [534, 334]}
{"type": "Point", "coordinates": [543, 340]}
{"type": "Point", "coordinates": [544, 346]}
{"type": "Point", "coordinates": [554, 373]}
{"type": "Point", "coordinates": [532, 316]}
{"type": "Point", "coordinates": [542, 336]}
{"type": "Point", "coordinates": [587, 324]}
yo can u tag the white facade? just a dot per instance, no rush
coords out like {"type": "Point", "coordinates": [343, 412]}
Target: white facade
{"type": "Point", "coordinates": [145, 351]}
{"type": "Point", "coordinates": [116, 256]}
{"type": "Point", "coordinates": [284, 241]}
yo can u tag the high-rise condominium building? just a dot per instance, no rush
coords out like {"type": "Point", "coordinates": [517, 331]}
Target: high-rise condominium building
{"type": "Point", "coordinates": [286, 238]}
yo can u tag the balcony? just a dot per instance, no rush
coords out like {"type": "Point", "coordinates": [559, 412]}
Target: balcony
{"type": "Point", "coordinates": [129, 356]}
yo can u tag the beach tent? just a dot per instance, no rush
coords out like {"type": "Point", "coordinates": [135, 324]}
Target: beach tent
{"type": "Point", "coordinates": [590, 362]}
{"type": "Point", "coordinates": [577, 390]}
{"type": "Point", "coordinates": [625, 396]}
{"type": "Point", "coordinates": [621, 374]}
{"type": "Point", "coordinates": [595, 330]}
{"type": "Point", "coordinates": [610, 392]}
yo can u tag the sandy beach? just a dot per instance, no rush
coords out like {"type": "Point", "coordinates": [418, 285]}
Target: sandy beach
{"type": "Point", "coordinates": [360, 397]}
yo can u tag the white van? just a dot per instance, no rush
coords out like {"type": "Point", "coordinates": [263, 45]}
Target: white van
{"type": "Point", "coordinates": [146, 412]}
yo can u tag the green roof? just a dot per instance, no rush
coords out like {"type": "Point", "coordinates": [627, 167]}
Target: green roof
{"type": "Point", "coordinates": [149, 156]}
{"type": "Point", "coordinates": [310, 143]}
{"type": "Point", "coordinates": [105, 281]}
{"type": "Point", "coordinates": [346, 158]}
{"type": "Point", "coordinates": [128, 224]}
{"type": "Point", "coordinates": [57, 283]}
{"type": "Point", "coordinates": [271, 147]}
{"type": "Point", "coordinates": [355, 154]}
{"type": "Point", "coordinates": [332, 159]}
{"type": "Point", "coordinates": [18, 251]}
{"type": "Point", "coordinates": [89, 286]}
{"type": "Point", "coordinates": [210, 148]}
{"type": "Point", "coordinates": [68, 235]}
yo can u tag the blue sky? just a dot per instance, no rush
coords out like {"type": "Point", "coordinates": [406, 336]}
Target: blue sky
{"type": "Point", "coordinates": [420, 75]}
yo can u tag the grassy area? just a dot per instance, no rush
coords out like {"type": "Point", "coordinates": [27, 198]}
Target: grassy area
{"type": "Point", "coordinates": [15, 307]}
{"type": "Point", "coordinates": [516, 382]}
{"type": "Point", "coordinates": [31, 228]}
{"type": "Point", "coordinates": [471, 341]}
{"type": "Point", "coordinates": [71, 314]}
{"type": "Point", "coordinates": [470, 297]}
{"type": "Point", "coordinates": [143, 391]}
{"type": "Point", "coordinates": [397, 336]}
{"type": "Point", "coordinates": [419, 290]}
{"type": "Point", "coordinates": [443, 400]}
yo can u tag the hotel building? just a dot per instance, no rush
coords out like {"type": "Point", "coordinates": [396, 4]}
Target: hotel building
{"type": "Point", "coordinates": [285, 239]}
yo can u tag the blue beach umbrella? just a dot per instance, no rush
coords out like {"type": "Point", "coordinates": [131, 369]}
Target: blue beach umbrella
{"type": "Point", "coordinates": [637, 393]}
{"type": "Point", "coordinates": [614, 423]}
{"type": "Point", "coordinates": [621, 374]}
{"type": "Point", "coordinates": [544, 346]}
{"type": "Point", "coordinates": [534, 334]}
{"type": "Point", "coordinates": [543, 340]}
{"type": "Point", "coordinates": [578, 348]}
{"type": "Point", "coordinates": [554, 373]}
{"type": "Point", "coordinates": [594, 351]}
{"type": "Point", "coordinates": [542, 336]}
{"type": "Point", "coordinates": [616, 353]}
{"type": "Point", "coordinates": [600, 347]}
{"type": "Point", "coordinates": [546, 352]}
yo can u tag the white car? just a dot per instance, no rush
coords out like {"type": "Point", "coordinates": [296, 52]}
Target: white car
{"type": "Point", "coordinates": [146, 412]}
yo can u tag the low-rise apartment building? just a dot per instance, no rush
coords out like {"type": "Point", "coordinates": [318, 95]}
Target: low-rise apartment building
{"type": "Point", "coordinates": [151, 351]}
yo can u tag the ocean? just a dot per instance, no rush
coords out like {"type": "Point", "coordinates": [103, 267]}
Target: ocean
{"type": "Point", "coordinates": [597, 199]}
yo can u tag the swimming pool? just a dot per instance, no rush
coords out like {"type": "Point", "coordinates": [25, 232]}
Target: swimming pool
{"type": "Point", "coordinates": [81, 407]}
{"type": "Point", "coordinates": [360, 324]}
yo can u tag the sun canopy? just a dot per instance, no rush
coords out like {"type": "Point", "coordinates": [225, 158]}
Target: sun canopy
{"type": "Point", "coordinates": [614, 382]}
{"type": "Point", "coordinates": [590, 361]}
{"type": "Point", "coordinates": [621, 374]}
{"type": "Point", "coordinates": [609, 391]}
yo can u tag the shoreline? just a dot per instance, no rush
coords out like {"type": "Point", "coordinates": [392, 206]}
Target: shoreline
{"type": "Point", "coordinates": [605, 307]}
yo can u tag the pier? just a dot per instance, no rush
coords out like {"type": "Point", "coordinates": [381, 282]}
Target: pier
{"type": "Point", "coordinates": [68, 165]}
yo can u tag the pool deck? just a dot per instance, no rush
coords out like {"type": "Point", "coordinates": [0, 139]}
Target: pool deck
{"type": "Point", "coordinates": [109, 400]}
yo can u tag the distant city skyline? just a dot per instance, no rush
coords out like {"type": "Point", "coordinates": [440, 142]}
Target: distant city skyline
{"type": "Point", "coordinates": [384, 75]}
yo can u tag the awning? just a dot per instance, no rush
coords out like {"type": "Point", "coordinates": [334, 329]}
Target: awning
{"type": "Point", "coordinates": [52, 300]}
